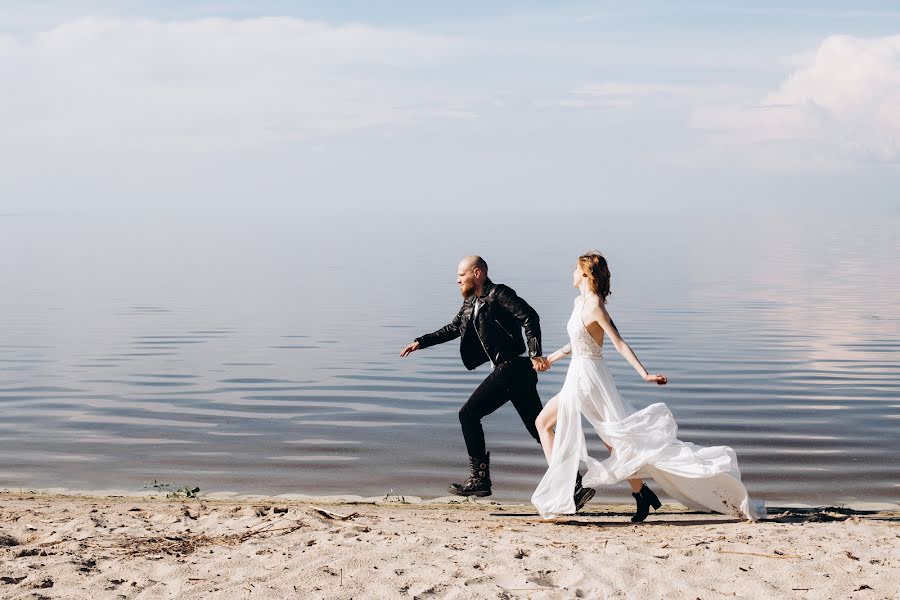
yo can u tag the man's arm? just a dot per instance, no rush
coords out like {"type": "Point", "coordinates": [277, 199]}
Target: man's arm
{"type": "Point", "coordinates": [525, 315]}
{"type": "Point", "coordinates": [444, 334]}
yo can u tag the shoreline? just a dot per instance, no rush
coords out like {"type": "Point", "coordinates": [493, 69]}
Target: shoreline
{"type": "Point", "coordinates": [395, 498]}
{"type": "Point", "coordinates": [143, 545]}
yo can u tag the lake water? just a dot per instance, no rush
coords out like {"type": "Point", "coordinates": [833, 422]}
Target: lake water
{"type": "Point", "coordinates": [260, 354]}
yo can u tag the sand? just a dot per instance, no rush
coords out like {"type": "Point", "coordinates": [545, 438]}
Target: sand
{"type": "Point", "coordinates": [116, 546]}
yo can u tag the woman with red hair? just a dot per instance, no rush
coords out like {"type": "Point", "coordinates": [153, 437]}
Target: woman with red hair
{"type": "Point", "coordinates": [642, 443]}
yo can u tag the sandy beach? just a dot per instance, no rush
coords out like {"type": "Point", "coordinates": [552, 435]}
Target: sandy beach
{"type": "Point", "coordinates": [129, 546]}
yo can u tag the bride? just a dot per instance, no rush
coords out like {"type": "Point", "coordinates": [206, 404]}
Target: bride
{"type": "Point", "coordinates": [642, 443]}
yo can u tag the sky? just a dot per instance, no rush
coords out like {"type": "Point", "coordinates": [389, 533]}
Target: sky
{"type": "Point", "coordinates": [398, 107]}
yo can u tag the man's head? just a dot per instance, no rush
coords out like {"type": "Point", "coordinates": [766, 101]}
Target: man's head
{"type": "Point", "coordinates": [471, 274]}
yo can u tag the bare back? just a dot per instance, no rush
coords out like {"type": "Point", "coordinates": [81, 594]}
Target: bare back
{"type": "Point", "coordinates": [593, 317]}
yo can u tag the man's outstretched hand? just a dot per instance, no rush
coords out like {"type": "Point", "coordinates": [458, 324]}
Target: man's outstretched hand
{"type": "Point", "coordinates": [410, 349]}
{"type": "Point", "coordinates": [540, 363]}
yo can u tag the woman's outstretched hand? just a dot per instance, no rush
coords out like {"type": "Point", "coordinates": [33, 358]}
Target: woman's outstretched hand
{"type": "Point", "coordinates": [657, 378]}
{"type": "Point", "coordinates": [411, 348]}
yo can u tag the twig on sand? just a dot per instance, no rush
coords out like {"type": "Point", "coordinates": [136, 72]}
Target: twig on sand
{"type": "Point", "coordinates": [182, 544]}
{"type": "Point", "coordinates": [759, 554]}
{"type": "Point", "coordinates": [842, 568]}
{"type": "Point", "coordinates": [48, 544]}
{"type": "Point", "coordinates": [334, 516]}
{"type": "Point", "coordinates": [289, 529]}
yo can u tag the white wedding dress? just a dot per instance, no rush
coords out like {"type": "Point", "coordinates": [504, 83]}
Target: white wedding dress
{"type": "Point", "coordinates": [644, 443]}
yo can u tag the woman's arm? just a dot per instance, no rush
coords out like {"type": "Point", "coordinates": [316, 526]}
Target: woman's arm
{"type": "Point", "coordinates": [560, 354]}
{"type": "Point", "coordinates": [600, 322]}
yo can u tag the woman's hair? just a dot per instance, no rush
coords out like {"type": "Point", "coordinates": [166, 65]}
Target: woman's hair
{"type": "Point", "coordinates": [593, 264]}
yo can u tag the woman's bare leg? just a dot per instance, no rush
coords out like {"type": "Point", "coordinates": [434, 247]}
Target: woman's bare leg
{"type": "Point", "coordinates": [636, 484]}
{"type": "Point", "coordinates": [546, 425]}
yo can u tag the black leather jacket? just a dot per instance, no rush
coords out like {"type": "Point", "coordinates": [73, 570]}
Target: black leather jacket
{"type": "Point", "coordinates": [495, 333]}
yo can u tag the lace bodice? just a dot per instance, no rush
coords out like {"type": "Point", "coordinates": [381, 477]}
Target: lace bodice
{"type": "Point", "coordinates": [583, 345]}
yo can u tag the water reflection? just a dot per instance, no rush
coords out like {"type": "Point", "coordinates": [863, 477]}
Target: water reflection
{"type": "Point", "coordinates": [282, 375]}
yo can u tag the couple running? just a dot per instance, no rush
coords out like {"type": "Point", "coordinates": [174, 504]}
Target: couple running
{"type": "Point", "coordinates": [642, 443]}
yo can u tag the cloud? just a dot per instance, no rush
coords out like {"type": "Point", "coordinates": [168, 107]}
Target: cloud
{"type": "Point", "coordinates": [642, 95]}
{"type": "Point", "coordinates": [842, 106]}
{"type": "Point", "coordinates": [124, 83]}
{"type": "Point", "coordinates": [134, 111]}
{"type": "Point", "coordinates": [614, 94]}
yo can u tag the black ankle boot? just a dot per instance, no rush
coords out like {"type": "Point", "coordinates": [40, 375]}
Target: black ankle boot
{"type": "Point", "coordinates": [479, 480]}
{"type": "Point", "coordinates": [644, 499]}
{"type": "Point", "coordinates": [583, 495]}
{"type": "Point", "coordinates": [648, 495]}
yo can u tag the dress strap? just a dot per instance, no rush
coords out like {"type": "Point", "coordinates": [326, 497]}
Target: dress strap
{"type": "Point", "coordinates": [581, 316]}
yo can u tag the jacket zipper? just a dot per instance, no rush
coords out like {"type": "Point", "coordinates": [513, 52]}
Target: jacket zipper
{"type": "Point", "coordinates": [478, 335]}
{"type": "Point", "coordinates": [486, 353]}
{"type": "Point", "coordinates": [508, 334]}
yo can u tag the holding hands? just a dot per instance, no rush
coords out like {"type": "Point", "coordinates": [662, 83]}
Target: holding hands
{"type": "Point", "coordinates": [539, 363]}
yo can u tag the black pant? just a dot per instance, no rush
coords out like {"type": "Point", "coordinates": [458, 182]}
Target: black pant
{"type": "Point", "coordinates": [513, 380]}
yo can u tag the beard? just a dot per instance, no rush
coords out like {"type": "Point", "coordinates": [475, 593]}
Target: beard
{"type": "Point", "coordinates": [466, 290]}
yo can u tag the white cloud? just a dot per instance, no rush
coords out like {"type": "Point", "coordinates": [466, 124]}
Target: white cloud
{"type": "Point", "coordinates": [126, 111]}
{"type": "Point", "coordinates": [616, 94]}
{"type": "Point", "coordinates": [842, 106]}
{"type": "Point", "coordinates": [621, 94]}
{"type": "Point", "coordinates": [124, 83]}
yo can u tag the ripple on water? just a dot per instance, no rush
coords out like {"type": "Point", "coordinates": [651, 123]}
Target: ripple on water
{"type": "Point", "coordinates": [781, 359]}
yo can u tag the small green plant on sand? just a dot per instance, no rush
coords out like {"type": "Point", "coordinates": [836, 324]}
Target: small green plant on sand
{"type": "Point", "coordinates": [184, 491]}
{"type": "Point", "coordinates": [391, 496]}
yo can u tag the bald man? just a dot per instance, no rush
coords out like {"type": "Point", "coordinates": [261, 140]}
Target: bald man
{"type": "Point", "coordinates": [490, 325]}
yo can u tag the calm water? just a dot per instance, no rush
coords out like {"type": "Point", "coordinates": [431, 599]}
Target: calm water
{"type": "Point", "coordinates": [261, 354]}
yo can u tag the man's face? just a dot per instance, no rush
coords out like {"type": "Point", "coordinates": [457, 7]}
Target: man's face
{"type": "Point", "coordinates": [465, 277]}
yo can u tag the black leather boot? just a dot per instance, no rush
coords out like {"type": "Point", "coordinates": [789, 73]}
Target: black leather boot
{"type": "Point", "coordinates": [479, 480]}
{"type": "Point", "coordinates": [583, 495]}
{"type": "Point", "coordinates": [648, 494]}
{"type": "Point", "coordinates": [645, 499]}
